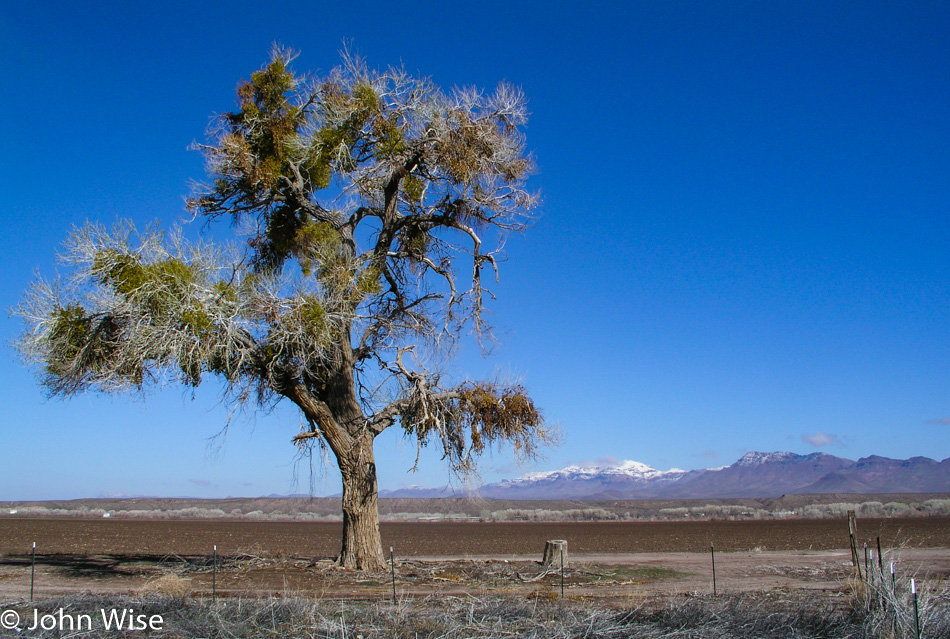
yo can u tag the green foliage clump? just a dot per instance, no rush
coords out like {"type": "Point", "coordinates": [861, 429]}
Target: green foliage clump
{"type": "Point", "coordinates": [159, 282]}
{"type": "Point", "coordinates": [70, 330]}
{"type": "Point", "coordinates": [164, 291]}
{"type": "Point", "coordinates": [326, 146]}
{"type": "Point", "coordinates": [80, 343]}
{"type": "Point", "coordinates": [313, 240]}
{"type": "Point", "coordinates": [368, 282]}
{"type": "Point", "coordinates": [197, 320]}
{"type": "Point", "coordinates": [265, 125]}
{"type": "Point", "coordinates": [335, 142]}
{"type": "Point", "coordinates": [389, 137]}
{"type": "Point", "coordinates": [413, 188]}
{"type": "Point", "coordinates": [313, 317]}
{"type": "Point", "coordinates": [365, 99]}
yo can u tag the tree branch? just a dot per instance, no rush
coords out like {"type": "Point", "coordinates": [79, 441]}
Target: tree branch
{"type": "Point", "coordinates": [317, 412]}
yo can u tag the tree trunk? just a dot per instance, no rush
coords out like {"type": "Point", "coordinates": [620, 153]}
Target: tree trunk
{"type": "Point", "coordinates": [362, 546]}
{"type": "Point", "coordinates": [336, 410]}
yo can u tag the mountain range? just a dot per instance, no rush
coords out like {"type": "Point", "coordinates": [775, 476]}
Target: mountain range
{"type": "Point", "coordinates": [753, 475]}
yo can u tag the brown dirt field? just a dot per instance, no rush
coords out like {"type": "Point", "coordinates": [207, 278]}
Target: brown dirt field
{"type": "Point", "coordinates": [321, 539]}
{"type": "Point", "coordinates": [607, 559]}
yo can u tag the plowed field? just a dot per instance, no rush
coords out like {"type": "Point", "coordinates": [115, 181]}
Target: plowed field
{"type": "Point", "coordinates": [414, 539]}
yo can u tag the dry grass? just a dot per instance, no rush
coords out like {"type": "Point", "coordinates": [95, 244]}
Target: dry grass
{"type": "Point", "coordinates": [168, 585]}
{"type": "Point", "coordinates": [887, 604]}
{"type": "Point", "coordinates": [788, 615]}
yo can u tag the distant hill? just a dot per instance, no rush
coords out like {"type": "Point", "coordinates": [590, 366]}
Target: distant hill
{"type": "Point", "coordinates": [880, 474]}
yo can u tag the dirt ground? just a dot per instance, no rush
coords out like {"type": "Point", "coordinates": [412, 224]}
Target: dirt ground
{"type": "Point", "coordinates": [606, 560]}
{"type": "Point", "coordinates": [156, 537]}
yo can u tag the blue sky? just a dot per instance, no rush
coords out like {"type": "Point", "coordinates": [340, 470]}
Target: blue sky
{"type": "Point", "coordinates": [743, 243]}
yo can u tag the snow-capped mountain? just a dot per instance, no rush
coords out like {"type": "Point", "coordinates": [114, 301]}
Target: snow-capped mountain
{"type": "Point", "coordinates": [755, 474]}
{"type": "Point", "coordinates": [626, 468]}
{"type": "Point", "coordinates": [756, 459]}
{"type": "Point", "coordinates": [595, 481]}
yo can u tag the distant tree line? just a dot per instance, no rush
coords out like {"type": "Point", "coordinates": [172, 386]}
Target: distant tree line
{"type": "Point", "coordinates": [315, 510]}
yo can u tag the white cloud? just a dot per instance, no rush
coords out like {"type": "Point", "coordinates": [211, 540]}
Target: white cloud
{"type": "Point", "coordinates": [945, 421]}
{"type": "Point", "coordinates": [821, 440]}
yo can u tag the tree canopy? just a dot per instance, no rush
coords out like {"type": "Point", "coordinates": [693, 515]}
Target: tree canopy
{"type": "Point", "coordinates": [371, 205]}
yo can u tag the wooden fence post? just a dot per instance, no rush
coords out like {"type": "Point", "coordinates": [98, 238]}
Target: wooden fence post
{"type": "Point", "coordinates": [32, 570]}
{"type": "Point", "coordinates": [853, 532]}
{"type": "Point", "coordinates": [712, 551]}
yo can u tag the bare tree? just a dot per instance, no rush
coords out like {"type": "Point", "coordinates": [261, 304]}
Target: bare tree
{"type": "Point", "coordinates": [373, 204]}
